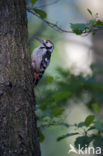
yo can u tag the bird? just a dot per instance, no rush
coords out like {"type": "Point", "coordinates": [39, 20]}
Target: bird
{"type": "Point", "coordinates": [40, 59]}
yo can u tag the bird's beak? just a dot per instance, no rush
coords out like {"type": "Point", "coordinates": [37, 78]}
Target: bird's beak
{"type": "Point", "coordinates": [41, 41]}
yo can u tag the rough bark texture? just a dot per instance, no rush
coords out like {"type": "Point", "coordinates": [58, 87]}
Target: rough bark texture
{"type": "Point", "coordinates": [18, 132]}
{"type": "Point", "coordinates": [98, 53]}
{"type": "Point", "coordinates": [98, 48]}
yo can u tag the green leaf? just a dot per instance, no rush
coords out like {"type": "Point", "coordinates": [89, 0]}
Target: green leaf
{"type": "Point", "coordinates": [62, 96]}
{"type": "Point", "coordinates": [99, 23]}
{"type": "Point", "coordinates": [91, 128]}
{"type": "Point", "coordinates": [57, 111]}
{"type": "Point", "coordinates": [33, 1]}
{"type": "Point", "coordinates": [43, 106]}
{"type": "Point", "coordinates": [50, 79]}
{"type": "Point", "coordinates": [66, 135]}
{"type": "Point", "coordinates": [78, 28]}
{"type": "Point", "coordinates": [99, 125]}
{"type": "Point", "coordinates": [90, 12]}
{"type": "Point", "coordinates": [40, 12]}
{"type": "Point", "coordinates": [83, 140]}
{"type": "Point", "coordinates": [89, 120]}
{"type": "Point", "coordinates": [81, 124]}
{"type": "Point", "coordinates": [98, 141]}
{"type": "Point", "coordinates": [91, 24]}
{"type": "Point", "coordinates": [41, 136]}
{"type": "Point", "coordinates": [96, 107]}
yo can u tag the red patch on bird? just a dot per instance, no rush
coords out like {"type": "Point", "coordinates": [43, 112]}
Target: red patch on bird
{"type": "Point", "coordinates": [50, 42]}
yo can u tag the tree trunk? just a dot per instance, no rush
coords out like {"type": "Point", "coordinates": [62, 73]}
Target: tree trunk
{"type": "Point", "coordinates": [18, 131]}
{"type": "Point", "coordinates": [98, 51]}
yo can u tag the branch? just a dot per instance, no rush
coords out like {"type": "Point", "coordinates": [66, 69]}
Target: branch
{"type": "Point", "coordinates": [50, 24]}
{"type": "Point", "coordinates": [58, 28]}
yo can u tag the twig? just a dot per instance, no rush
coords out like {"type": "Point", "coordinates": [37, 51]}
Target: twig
{"type": "Point", "coordinates": [58, 28]}
{"type": "Point", "coordinates": [52, 25]}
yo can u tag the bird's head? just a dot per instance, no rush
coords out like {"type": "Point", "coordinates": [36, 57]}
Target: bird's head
{"type": "Point", "coordinates": [47, 43]}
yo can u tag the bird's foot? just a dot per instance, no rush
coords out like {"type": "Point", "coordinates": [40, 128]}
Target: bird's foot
{"type": "Point", "coordinates": [36, 75]}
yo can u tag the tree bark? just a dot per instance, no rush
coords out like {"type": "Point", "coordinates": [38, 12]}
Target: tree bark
{"type": "Point", "coordinates": [98, 51]}
{"type": "Point", "coordinates": [18, 131]}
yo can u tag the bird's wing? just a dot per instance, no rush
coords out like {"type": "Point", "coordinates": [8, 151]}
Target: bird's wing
{"type": "Point", "coordinates": [45, 62]}
{"type": "Point", "coordinates": [36, 59]}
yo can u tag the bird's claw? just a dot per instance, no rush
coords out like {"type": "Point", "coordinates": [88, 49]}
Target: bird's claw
{"type": "Point", "coordinates": [36, 75]}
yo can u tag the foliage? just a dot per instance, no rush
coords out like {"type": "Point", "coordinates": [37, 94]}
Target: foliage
{"type": "Point", "coordinates": [92, 26]}
{"type": "Point", "coordinates": [53, 102]}
{"type": "Point", "coordinates": [81, 27]}
{"type": "Point", "coordinates": [31, 6]}
{"type": "Point", "coordinates": [40, 12]}
{"type": "Point", "coordinates": [89, 120]}
{"type": "Point", "coordinates": [33, 1]}
{"type": "Point", "coordinates": [90, 12]}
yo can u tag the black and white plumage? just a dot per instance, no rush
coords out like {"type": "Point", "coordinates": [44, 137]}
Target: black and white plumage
{"type": "Point", "coordinates": [40, 58]}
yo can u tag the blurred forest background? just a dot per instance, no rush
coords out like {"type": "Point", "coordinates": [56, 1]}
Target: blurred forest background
{"type": "Point", "coordinates": [70, 95]}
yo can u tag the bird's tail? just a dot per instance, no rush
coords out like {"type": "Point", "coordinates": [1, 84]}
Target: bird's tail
{"type": "Point", "coordinates": [36, 80]}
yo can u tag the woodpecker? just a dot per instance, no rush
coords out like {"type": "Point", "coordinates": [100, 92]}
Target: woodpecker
{"type": "Point", "coordinates": [40, 59]}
